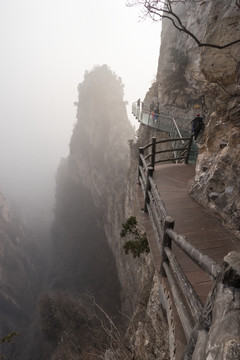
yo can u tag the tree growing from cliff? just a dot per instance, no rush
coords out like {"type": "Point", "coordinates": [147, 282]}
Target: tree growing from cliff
{"type": "Point", "coordinates": [164, 9]}
{"type": "Point", "coordinates": [139, 243]}
{"type": "Point", "coordinates": [175, 74]}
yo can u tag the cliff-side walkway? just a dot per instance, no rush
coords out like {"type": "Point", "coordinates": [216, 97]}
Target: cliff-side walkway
{"type": "Point", "coordinates": [202, 228]}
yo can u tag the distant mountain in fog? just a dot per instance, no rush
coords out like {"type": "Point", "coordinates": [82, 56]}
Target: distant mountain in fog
{"type": "Point", "coordinates": [91, 178]}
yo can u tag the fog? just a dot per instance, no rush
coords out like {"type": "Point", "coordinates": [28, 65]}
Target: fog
{"type": "Point", "coordinates": [46, 46]}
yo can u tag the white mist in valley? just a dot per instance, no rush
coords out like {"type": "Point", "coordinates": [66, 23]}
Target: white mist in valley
{"type": "Point", "coordinates": [46, 47]}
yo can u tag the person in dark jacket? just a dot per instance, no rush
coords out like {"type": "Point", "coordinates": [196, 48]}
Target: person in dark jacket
{"type": "Point", "coordinates": [197, 125]}
{"type": "Point", "coordinates": [152, 105]}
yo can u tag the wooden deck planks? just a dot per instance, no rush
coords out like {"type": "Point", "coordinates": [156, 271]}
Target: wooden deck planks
{"type": "Point", "coordinates": [202, 228]}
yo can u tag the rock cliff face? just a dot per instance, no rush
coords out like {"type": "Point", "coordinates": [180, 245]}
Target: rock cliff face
{"type": "Point", "coordinates": [20, 279]}
{"type": "Point", "coordinates": [99, 154]}
{"type": "Point", "coordinates": [99, 158]}
{"type": "Point", "coordinates": [205, 80]}
{"type": "Point", "coordinates": [96, 193]}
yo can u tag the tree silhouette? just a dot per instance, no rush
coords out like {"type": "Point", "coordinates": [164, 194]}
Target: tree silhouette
{"type": "Point", "coordinates": [164, 9]}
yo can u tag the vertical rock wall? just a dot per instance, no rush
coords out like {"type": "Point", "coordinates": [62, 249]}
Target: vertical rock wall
{"type": "Point", "coordinates": [20, 277]}
{"type": "Point", "coordinates": [207, 82]}
{"type": "Point", "coordinates": [99, 162]}
{"type": "Point", "coordinates": [203, 80]}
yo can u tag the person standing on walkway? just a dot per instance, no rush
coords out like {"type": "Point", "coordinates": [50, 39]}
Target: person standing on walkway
{"type": "Point", "coordinates": [151, 108]}
{"type": "Point", "coordinates": [138, 108]}
{"type": "Point", "coordinates": [156, 114]}
{"type": "Point", "coordinates": [197, 125]}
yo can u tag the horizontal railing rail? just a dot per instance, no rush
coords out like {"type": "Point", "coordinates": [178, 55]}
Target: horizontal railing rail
{"type": "Point", "coordinates": [155, 155]}
{"type": "Point", "coordinates": [203, 261]}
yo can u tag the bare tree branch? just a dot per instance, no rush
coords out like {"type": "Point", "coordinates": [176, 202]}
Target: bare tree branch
{"type": "Point", "coordinates": [115, 340]}
{"type": "Point", "coordinates": [164, 10]}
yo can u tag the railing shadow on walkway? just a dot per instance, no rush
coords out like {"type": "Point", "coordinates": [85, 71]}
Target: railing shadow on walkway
{"type": "Point", "coordinates": [196, 318]}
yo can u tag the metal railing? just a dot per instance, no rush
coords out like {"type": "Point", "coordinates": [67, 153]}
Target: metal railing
{"type": "Point", "coordinates": [159, 121]}
{"type": "Point", "coordinates": [167, 123]}
{"type": "Point", "coordinates": [168, 150]}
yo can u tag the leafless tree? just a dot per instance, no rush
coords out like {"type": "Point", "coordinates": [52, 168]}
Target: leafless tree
{"type": "Point", "coordinates": [116, 343]}
{"type": "Point", "coordinates": [164, 9]}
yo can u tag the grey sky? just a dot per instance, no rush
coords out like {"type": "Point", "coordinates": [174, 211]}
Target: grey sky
{"type": "Point", "coordinates": [46, 46]}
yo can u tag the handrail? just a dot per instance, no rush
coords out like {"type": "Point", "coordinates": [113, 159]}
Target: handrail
{"type": "Point", "coordinates": [193, 300]}
{"type": "Point", "coordinates": [147, 117]}
{"type": "Point", "coordinates": [181, 153]}
{"type": "Point", "coordinates": [155, 205]}
{"type": "Point", "coordinates": [177, 128]}
{"type": "Point", "coordinates": [155, 120]}
{"type": "Point", "coordinates": [203, 261]}
{"type": "Point", "coordinates": [192, 314]}
{"type": "Point", "coordinates": [164, 122]}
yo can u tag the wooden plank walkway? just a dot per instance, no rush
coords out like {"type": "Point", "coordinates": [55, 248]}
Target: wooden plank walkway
{"type": "Point", "coordinates": [201, 227]}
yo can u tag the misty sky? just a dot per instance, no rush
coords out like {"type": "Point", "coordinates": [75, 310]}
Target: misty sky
{"type": "Point", "coordinates": [46, 46]}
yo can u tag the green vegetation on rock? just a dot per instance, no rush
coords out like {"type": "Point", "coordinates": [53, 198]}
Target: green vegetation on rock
{"type": "Point", "coordinates": [139, 244]}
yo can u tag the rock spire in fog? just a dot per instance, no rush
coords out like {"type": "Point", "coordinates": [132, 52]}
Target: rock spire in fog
{"type": "Point", "coordinates": [99, 148]}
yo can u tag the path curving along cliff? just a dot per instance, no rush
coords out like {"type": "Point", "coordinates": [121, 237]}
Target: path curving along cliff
{"type": "Point", "coordinates": [185, 257]}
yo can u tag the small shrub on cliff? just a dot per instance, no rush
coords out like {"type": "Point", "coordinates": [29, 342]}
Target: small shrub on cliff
{"type": "Point", "coordinates": [8, 346]}
{"type": "Point", "coordinates": [178, 58]}
{"type": "Point", "coordinates": [174, 78]}
{"type": "Point", "coordinates": [139, 244]}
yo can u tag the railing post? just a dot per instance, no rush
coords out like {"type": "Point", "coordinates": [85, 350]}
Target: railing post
{"type": "Point", "coordinates": [153, 152]}
{"type": "Point", "coordinates": [170, 130]}
{"type": "Point", "coordinates": [141, 150]}
{"type": "Point", "coordinates": [221, 312]}
{"type": "Point", "coordinates": [158, 122]}
{"type": "Point", "coordinates": [148, 188]}
{"type": "Point", "coordinates": [166, 242]}
{"type": "Point", "coordinates": [179, 151]}
{"type": "Point", "coordinates": [189, 149]}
